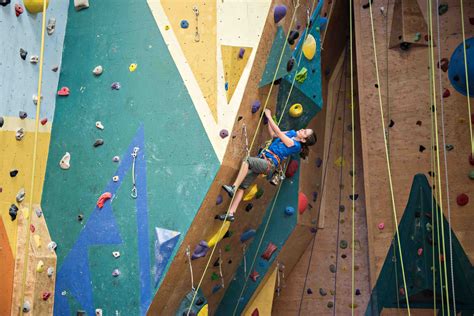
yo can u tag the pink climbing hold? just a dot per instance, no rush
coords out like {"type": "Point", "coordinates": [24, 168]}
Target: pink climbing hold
{"type": "Point", "coordinates": [104, 197]}
{"type": "Point", "coordinates": [279, 13]}
{"type": "Point", "coordinates": [302, 202]}
{"type": "Point", "coordinates": [381, 226]}
{"type": "Point", "coordinates": [224, 133]}
{"type": "Point", "coordinates": [64, 92]}
{"type": "Point", "coordinates": [446, 93]}
{"type": "Point", "coordinates": [462, 199]}
{"type": "Point", "coordinates": [18, 9]}
{"type": "Point", "coordinates": [420, 251]}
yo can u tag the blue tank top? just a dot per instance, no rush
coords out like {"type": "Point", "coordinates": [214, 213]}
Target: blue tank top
{"type": "Point", "coordinates": [281, 150]}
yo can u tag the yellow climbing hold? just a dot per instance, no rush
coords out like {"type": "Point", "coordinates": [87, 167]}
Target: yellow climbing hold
{"type": "Point", "coordinates": [204, 311]}
{"type": "Point", "coordinates": [40, 266]}
{"type": "Point", "coordinates": [35, 6]}
{"type": "Point", "coordinates": [296, 110]}
{"type": "Point", "coordinates": [339, 162]}
{"type": "Point", "coordinates": [218, 237]}
{"type": "Point", "coordinates": [309, 47]}
{"type": "Point", "coordinates": [132, 67]}
{"type": "Point", "coordinates": [251, 194]}
{"type": "Point", "coordinates": [37, 239]}
{"type": "Point", "coordinates": [167, 27]}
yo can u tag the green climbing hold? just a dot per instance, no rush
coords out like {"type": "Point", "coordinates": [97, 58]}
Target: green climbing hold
{"type": "Point", "coordinates": [417, 37]}
{"type": "Point", "coordinates": [343, 244]}
{"type": "Point", "coordinates": [259, 193]}
{"type": "Point", "coordinates": [471, 175]}
{"type": "Point", "coordinates": [301, 75]}
{"type": "Point", "coordinates": [442, 9]}
{"type": "Point", "coordinates": [214, 276]}
{"type": "Point", "coordinates": [227, 248]}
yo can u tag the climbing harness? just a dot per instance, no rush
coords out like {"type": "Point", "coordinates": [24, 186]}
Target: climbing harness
{"type": "Point", "coordinates": [394, 210]}
{"type": "Point", "coordinates": [34, 156]}
{"type": "Point", "coordinates": [197, 37]}
{"type": "Point", "coordinates": [134, 185]}
{"type": "Point", "coordinates": [188, 254]}
{"type": "Point", "coordinates": [220, 268]}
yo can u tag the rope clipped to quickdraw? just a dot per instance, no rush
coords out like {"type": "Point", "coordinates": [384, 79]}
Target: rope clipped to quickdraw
{"type": "Point", "coordinates": [220, 267]}
{"type": "Point", "coordinates": [188, 254]}
{"type": "Point", "coordinates": [244, 132]}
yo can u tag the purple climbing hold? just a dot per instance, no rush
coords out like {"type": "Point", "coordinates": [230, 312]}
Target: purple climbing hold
{"type": "Point", "coordinates": [201, 250]}
{"type": "Point", "coordinates": [313, 230]}
{"type": "Point", "coordinates": [319, 162]}
{"type": "Point", "coordinates": [219, 199]}
{"type": "Point", "coordinates": [224, 133]}
{"type": "Point", "coordinates": [315, 196]}
{"type": "Point", "coordinates": [279, 13]}
{"type": "Point", "coordinates": [116, 86]}
{"type": "Point", "coordinates": [256, 106]}
{"type": "Point", "coordinates": [241, 53]}
{"type": "Point", "coordinates": [357, 292]}
{"type": "Point", "coordinates": [216, 288]}
{"type": "Point", "coordinates": [309, 291]}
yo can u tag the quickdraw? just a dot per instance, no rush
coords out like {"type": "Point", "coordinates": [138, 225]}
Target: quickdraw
{"type": "Point", "coordinates": [134, 193]}
{"type": "Point", "coordinates": [197, 38]}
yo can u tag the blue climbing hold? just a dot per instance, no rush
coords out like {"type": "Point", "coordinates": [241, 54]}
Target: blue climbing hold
{"type": "Point", "coordinates": [226, 86]}
{"type": "Point", "coordinates": [289, 210]}
{"type": "Point", "coordinates": [456, 71]}
{"type": "Point", "coordinates": [246, 235]}
{"type": "Point", "coordinates": [184, 24]}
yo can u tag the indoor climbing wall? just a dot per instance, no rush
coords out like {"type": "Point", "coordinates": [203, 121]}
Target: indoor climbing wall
{"type": "Point", "coordinates": [407, 111]}
{"type": "Point", "coordinates": [139, 161]}
{"type": "Point", "coordinates": [20, 50]}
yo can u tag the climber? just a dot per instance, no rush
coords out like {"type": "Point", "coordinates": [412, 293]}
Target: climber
{"type": "Point", "coordinates": [283, 145]}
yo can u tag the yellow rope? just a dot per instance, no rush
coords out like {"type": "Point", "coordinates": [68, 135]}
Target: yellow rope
{"type": "Point", "coordinates": [33, 169]}
{"type": "Point", "coordinates": [250, 149]}
{"type": "Point", "coordinates": [353, 160]}
{"type": "Point", "coordinates": [467, 77]}
{"type": "Point", "coordinates": [388, 160]}
{"type": "Point", "coordinates": [440, 196]}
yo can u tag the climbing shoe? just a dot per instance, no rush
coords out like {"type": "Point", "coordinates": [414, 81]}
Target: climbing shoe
{"type": "Point", "coordinates": [230, 189]}
{"type": "Point", "coordinates": [221, 217]}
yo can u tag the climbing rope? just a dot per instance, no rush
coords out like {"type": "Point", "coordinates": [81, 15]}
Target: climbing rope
{"type": "Point", "coordinates": [394, 210]}
{"type": "Point", "coordinates": [353, 160]}
{"type": "Point", "coordinates": [448, 200]}
{"type": "Point", "coordinates": [467, 76]}
{"type": "Point", "coordinates": [250, 149]}
{"type": "Point", "coordinates": [33, 168]}
{"type": "Point", "coordinates": [438, 169]}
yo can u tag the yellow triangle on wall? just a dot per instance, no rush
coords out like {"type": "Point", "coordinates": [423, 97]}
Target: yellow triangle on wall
{"type": "Point", "coordinates": [263, 300]}
{"type": "Point", "coordinates": [233, 66]}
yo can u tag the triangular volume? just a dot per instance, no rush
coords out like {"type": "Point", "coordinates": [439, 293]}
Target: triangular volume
{"type": "Point", "coordinates": [166, 241]}
{"type": "Point", "coordinates": [274, 57]}
{"type": "Point", "coordinates": [408, 25]}
{"type": "Point", "coordinates": [234, 59]}
{"type": "Point", "coordinates": [418, 246]}
{"type": "Point", "coordinates": [263, 300]}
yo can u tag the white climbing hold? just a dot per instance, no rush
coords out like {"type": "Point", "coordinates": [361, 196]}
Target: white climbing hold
{"type": "Point", "coordinates": [99, 125]}
{"type": "Point", "coordinates": [81, 4]}
{"type": "Point", "coordinates": [35, 99]}
{"type": "Point", "coordinates": [20, 133]}
{"type": "Point", "coordinates": [63, 293]}
{"type": "Point", "coordinates": [115, 178]}
{"type": "Point", "coordinates": [38, 212]}
{"type": "Point", "coordinates": [98, 70]}
{"type": "Point", "coordinates": [26, 307]}
{"type": "Point", "coordinates": [51, 26]}
{"type": "Point", "coordinates": [116, 159]}
{"type": "Point", "coordinates": [50, 271]}
{"type": "Point", "coordinates": [98, 312]}
{"type": "Point", "coordinates": [116, 273]}
{"type": "Point", "coordinates": [34, 59]}
{"type": "Point", "coordinates": [20, 196]}
{"type": "Point", "coordinates": [65, 161]}
{"type": "Point", "coordinates": [116, 254]}
{"type": "Point", "coordinates": [52, 246]}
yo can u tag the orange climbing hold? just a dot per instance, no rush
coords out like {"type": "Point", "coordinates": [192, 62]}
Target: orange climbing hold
{"type": "Point", "coordinates": [104, 197]}
{"type": "Point", "coordinates": [302, 202]}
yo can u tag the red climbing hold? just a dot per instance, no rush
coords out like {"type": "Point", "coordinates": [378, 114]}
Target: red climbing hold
{"type": "Point", "coordinates": [443, 64]}
{"type": "Point", "coordinates": [254, 275]}
{"type": "Point", "coordinates": [44, 121]}
{"type": "Point", "coordinates": [462, 199]}
{"type": "Point", "coordinates": [302, 202]}
{"type": "Point", "coordinates": [291, 169]}
{"type": "Point", "coordinates": [104, 197]}
{"type": "Point", "coordinates": [472, 118]}
{"type": "Point", "coordinates": [471, 20]}
{"type": "Point", "coordinates": [64, 91]}
{"type": "Point", "coordinates": [18, 10]}
{"type": "Point", "coordinates": [271, 248]}
{"type": "Point", "coordinates": [32, 228]}
{"type": "Point", "coordinates": [471, 160]}
{"type": "Point", "coordinates": [46, 295]}
{"type": "Point", "coordinates": [255, 312]}
{"type": "Point", "coordinates": [446, 93]}
{"type": "Point", "coordinates": [420, 251]}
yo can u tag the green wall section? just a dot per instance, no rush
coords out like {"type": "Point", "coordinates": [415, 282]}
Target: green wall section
{"type": "Point", "coordinates": [415, 228]}
{"type": "Point", "coordinates": [180, 161]}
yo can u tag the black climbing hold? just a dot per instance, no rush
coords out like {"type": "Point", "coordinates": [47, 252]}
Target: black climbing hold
{"type": "Point", "coordinates": [315, 196]}
{"type": "Point", "coordinates": [343, 256]}
{"type": "Point", "coordinates": [376, 85]}
{"type": "Point", "coordinates": [277, 82]}
{"type": "Point", "coordinates": [391, 123]}
{"type": "Point", "coordinates": [422, 148]}
{"type": "Point", "coordinates": [418, 123]}
{"type": "Point", "coordinates": [55, 68]}
{"type": "Point", "coordinates": [13, 211]}
{"type": "Point", "coordinates": [405, 46]}
{"type": "Point", "coordinates": [217, 262]}
{"type": "Point", "coordinates": [249, 207]}
{"type": "Point", "coordinates": [239, 118]}
{"type": "Point", "coordinates": [23, 115]}
{"type": "Point", "coordinates": [357, 292]}
{"type": "Point", "coordinates": [81, 313]}
{"type": "Point", "coordinates": [351, 173]}
{"type": "Point", "coordinates": [228, 234]}
{"type": "Point", "coordinates": [290, 64]}
{"type": "Point", "coordinates": [80, 217]}
{"type": "Point", "coordinates": [99, 142]}
{"type": "Point", "coordinates": [2, 121]}
{"type": "Point", "coordinates": [449, 147]}
{"type": "Point", "coordinates": [332, 268]}
{"type": "Point", "coordinates": [431, 173]}
{"type": "Point", "coordinates": [349, 128]}
{"type": "Point", "coordinates": [322, 292]}
{"type": "Point", "coordinates": [354, 197]}
{"type": "Point", "coordinates": [343, 244]}
{"type": "Point", "coordinates": [309, 291]}
{"type": "Point", "coordinates": [23, 53]}
{"type": "Point", "coordinates": [13, 173]}
{"type": "Point", "coordinates": [442, 9]}
{"type": "Point", "coordinates": [342, 208]}
{"type": "Point", "coordinates": [230, 261]}
{"type": "Point", "coordinates": [367, 5]}
{"type": "Point", "coordinates": [4, 2]}
{"type": "Point", "coordinates": [293, 36]}
{"type": "Point", "coordinates": [330, 304]}
{"type": "Point", "coordinates": [319, 162]}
